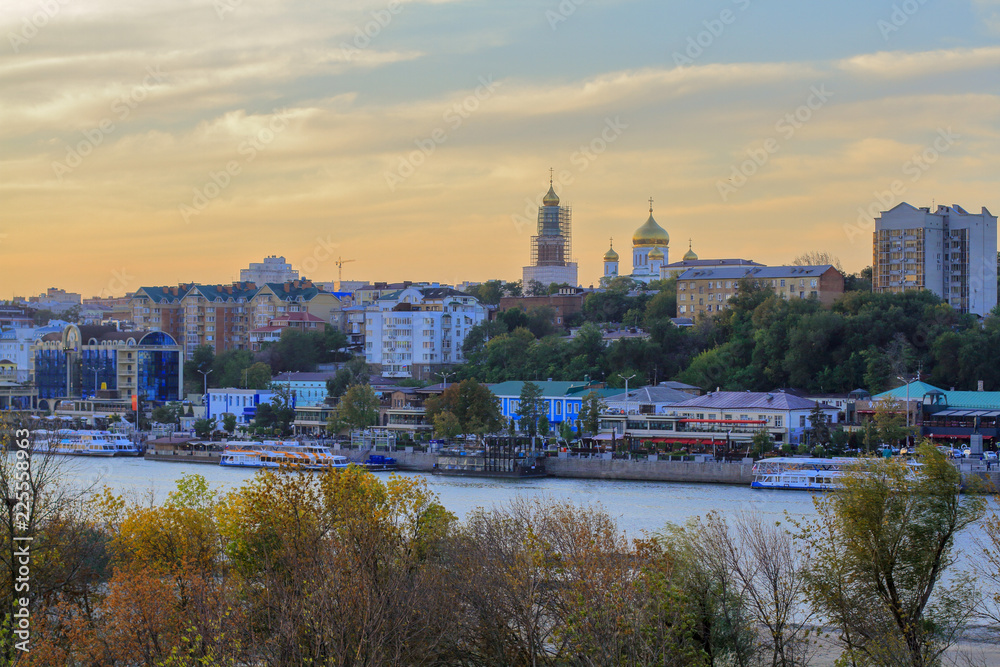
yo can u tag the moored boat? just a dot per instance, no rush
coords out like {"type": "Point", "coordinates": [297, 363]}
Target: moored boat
{"type": "Point", "coordinates": [804, 474]}
{"type": "Point", "coordinates": [281, 454]}
{"type": "Point", "coordinates": [73, 443]}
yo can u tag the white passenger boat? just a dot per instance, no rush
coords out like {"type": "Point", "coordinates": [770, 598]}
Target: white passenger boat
{"type": "Point", "coordinates": [803, 474]}
{"type": "Point", "coordinates": [74, 443]}
{"type": "Point", "coordinates": [281, 454]}
{"type": "Point", "coordinates": [123, 446]}
{"type": "Point", "coordinates": [806, 474]}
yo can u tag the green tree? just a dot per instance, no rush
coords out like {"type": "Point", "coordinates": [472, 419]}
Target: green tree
{"type": "Point", "coordinates": [890, 421]}
{"type": "Point", "coordinates": [590, 412]}
{"type": "Point", "coordinates": [543, 426]}
{"type": "Point", "coordinates": [258, 376]}
{"type": "Point", "coordinates": [446, 425]}
{"type": "Point", "coordinates": [203, 427]}
{"type": "Point", "coordinates": [229, 423]}
{"type": "Point", "coordinates": [565, 431]}
{"type": "Point", "coordinates": [489, 292]}
{"type": "Point", "coordinates": [530, 408]}
{"type": "Point", "coordinates": [354, 371]}
{"type": "Point", "coordinates": [535, 288]}
{"type": "Point", "coordinates": [881, 546]}
{"type": "Point", "coordinates": [819, 426]}
{"type": "Point", "coordinates": [202, 359]}
{"type": "Point", "coordinates": [358, 407]}
{"type": "Point", "coordinates": [761, 443]}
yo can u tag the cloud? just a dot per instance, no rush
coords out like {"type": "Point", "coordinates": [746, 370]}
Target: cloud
{"type": "Point", "coordinates": [901, 64]}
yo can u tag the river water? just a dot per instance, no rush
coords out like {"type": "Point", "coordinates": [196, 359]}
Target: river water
{"type": "Point", "coordinates": [637, 506]}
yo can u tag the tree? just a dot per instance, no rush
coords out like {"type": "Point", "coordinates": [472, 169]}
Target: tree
{"type": "Point", "coordinates": [358, 407]}
{"type": "Point", "coordinates": [590, 412]}
{"type": "Point", "coordinates": [354, 371]}
{"type": "Point", "coordinates": [488, 292]}
{"type": "Point", "coordinates": [258, 376]}
{"type": "Point", "coordinates": [543, 425]}
{"type": "Point", "coordinates": [229, 422]}
{"type": "Point", "coordinates": [446, 425]}
{"type": "Point", "coordinates": [202, 359]}
{"type": "Point", "coordinates": [565, 431]}
{"type": "Point", "coordinates": [761, 443]}
{"type": "Point", "coordinates": [535, 288]}
{"type": "Point", "coordinates": [880, 547]}
{"type": "Point", "coordinates": [819, 426]}
{"type": "Point", "coordinates": [203, 427]}
{"type": "Point", "coordinates": [889, 421]}
{"type": "Point", "coordinates": [817, 258]}
{"type": "Point", "coordinates": [530, 407]}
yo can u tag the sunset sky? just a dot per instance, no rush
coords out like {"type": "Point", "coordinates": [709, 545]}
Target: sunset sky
{"type": "Point", "coordinates": [163, 141]}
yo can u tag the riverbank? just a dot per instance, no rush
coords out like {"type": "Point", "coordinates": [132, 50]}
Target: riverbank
{"type": "Point", "coordinates": [740, 474]}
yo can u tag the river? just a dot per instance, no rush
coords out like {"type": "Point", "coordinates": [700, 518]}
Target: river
{"type": "Point", "coordinates": [638, 507]}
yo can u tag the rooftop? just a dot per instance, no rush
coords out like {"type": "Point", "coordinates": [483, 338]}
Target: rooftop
{"type": "Point", "coordinates": [735, 400]}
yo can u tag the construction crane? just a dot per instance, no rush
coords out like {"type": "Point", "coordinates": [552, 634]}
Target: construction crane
{"type": "Point", "coordinates": [340, 269]}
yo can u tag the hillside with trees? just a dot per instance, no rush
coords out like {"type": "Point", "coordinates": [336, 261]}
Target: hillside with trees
{"type": "Point", "coordinates": [760, 342]}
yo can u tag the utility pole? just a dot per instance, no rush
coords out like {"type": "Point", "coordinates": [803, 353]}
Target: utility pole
{"type": "Point", "coordinates": [625, 427]}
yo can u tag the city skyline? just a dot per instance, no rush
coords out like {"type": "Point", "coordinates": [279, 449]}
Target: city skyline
{"type": "Point", "coordinates": [416, 137]}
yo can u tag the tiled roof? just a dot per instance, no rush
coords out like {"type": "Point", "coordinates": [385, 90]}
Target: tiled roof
{"type": "Point", "coordinates": [321, 376]}
{"type": "Point", "coordinates": [549, 389]}
{"type": "Point", "coordinates": [955, 399]}
{"type": "Point", "coordinates": [694, 263]}
{"type": "Point", "coordinates": [736, 272]}
{"type": "Point", "coordinates": [300, 316]}
{"type": "Point", "coordinates": [747, 400]}
{"type": "Point", "coordinates": [655, 394]}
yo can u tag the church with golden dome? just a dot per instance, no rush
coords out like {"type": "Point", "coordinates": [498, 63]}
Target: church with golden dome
{"type": "Point", "coordinates": [650, 252]}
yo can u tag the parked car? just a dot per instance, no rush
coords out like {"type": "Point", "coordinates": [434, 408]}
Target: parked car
{"type": "Point", "coordinates": [990, 456]}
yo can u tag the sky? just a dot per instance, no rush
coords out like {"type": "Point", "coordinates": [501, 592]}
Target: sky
{"type": "Point", "coordinates": [167, 141]}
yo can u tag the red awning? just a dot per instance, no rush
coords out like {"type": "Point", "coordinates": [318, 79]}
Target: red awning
{"type": "Point", "coordinates": [723, 421]}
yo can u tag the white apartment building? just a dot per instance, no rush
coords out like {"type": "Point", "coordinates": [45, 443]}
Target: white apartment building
{"type": "Point", "coordinates": [949, 251]}
{"type": "Point", "coordinates": [412, 332]}
{"type": "Point", "coordinates": [272, 270]}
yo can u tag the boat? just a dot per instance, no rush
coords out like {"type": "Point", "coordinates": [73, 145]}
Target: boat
{"type": "Point", "coordinates": [379, 462]}
{"type": "Point", "coordinates": [281, 454]}
{"type": "Point", "coordinates": [73, 443]}
{"type": "Point", "coordinates": [805, 474]}
{"type": "Point", "coordinates": [123, 446]}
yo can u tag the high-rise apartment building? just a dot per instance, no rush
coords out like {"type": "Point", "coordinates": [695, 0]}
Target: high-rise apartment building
{"type": "Point", "coordinates": [951, 252]}
{"type": "Point", "coordinates": [415, 331]}
{"type": "Point", "coordinates": [272, 270]}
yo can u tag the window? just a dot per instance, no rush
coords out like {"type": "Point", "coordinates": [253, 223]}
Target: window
{"type": "Point", "coordinates": [777, 422]}
{"type": "Point", "coordinates": [683, 309]}
{"type": "Point", "coordinates": [708, 308]}
{"type": "Point", "coordinates": [812, 283]}
{"type": "Point", "coordinates": [782, 282]}
{"type": "Point", "coordinates": [802, 421]}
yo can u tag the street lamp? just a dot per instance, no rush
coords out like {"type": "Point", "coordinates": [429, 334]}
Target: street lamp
{"type": "Point", "coordinates": [625, 427]}
{"type": "Point", "coordinates": [444, 377]}
{"type": "Point", "coordinates": [907, 383]}
{"type": "Point", "coordinates": [204, 378]}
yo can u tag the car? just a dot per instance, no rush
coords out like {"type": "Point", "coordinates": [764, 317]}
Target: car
{"type": "Point", "coordinates": [990, 456]}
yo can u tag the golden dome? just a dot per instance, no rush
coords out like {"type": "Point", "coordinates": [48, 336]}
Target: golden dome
{"type": "Point", "coordinates": [611, 255]}
{"type": "Point", "coordinates": [656, 253]}
{"type": "Point", "coordinates": [551, 198]}
{"type": "Point", "coordinates": [690, 254]}
{"type": "Point", "coordinates": [650, 234]}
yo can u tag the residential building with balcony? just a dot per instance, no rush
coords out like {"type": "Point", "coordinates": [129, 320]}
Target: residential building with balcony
{"type": "Point", "coordinates": [273, 269]}
{"type": "Point", "coordinates": [414, 332]}
{"type": "Point", "coordinates": [951, 252]}
{"type": "Point", "coordinates": [707, 291]}
{"type": "Point", "coordinates": [273, 301]}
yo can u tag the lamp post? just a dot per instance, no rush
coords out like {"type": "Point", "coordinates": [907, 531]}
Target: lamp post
{"type": "Point", "coordinates": [907, 383]}
{"type": "Point", "coordinates": [204, 380]}
{"type": "Point", "coordinates": [625, 426]}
